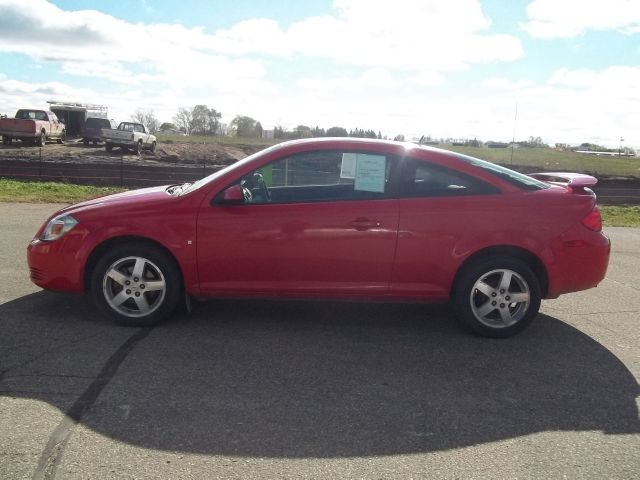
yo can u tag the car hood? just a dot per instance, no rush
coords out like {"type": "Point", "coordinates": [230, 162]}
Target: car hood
{"type": "Point", "coordinates": [132, 198]}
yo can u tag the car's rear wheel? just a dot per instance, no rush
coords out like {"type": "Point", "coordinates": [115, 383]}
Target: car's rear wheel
{"type": "Point", "coordinates": [108, 147]}
{"type": "Point", "coordinates": [85, 142]}
{"type": "Point", "coordinates": [6, 140]}
{"type": "Point", "coordinates": [63, 137]}
{"type": "Point", "coordinates": [42, 139]}
{"type": "Point", "coordinates": [138, 147]}
{"type": "Point", "coordinates": [497, 296]}
{"type": "Point", "coordinates": [136, 284]}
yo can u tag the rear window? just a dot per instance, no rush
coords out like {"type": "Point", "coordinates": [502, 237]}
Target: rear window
{"type": "Point", "coordinates": [518, 179]}
{"type": "Point", "coordinates": [97, 123]}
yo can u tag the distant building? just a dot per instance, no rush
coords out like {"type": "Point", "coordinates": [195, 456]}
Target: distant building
{"type": "Point", "coordinates": [268, 134]}
{"type": "Point", "coordinates": [607, 154]}
{"type": "Point", "coordinates": [497, 145]}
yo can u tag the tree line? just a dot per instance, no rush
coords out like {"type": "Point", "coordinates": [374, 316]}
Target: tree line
{"type": "Point", "coordinates": [202, 120]}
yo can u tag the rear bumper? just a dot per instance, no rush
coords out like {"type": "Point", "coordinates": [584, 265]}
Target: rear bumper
{"type": "Point", "coordinates": [581, 261]}
{"type": "Point", "coordinates": [120, 142]}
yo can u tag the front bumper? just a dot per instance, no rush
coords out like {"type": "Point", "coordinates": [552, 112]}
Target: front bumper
{"type": "Point", "coordinates": [55, 266]}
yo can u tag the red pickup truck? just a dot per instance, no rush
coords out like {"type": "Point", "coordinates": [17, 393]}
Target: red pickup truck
{"type": "Point", "coordinates": [36, 126]}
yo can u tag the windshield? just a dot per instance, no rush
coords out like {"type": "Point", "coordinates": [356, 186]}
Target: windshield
{"type": "Point", "coordinates": [518, 179]}
{"type": "Point", "coordinates": [203, 181]}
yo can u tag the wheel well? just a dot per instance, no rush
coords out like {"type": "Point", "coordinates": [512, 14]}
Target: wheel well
{"type": "Point", "coordinates": [100, 250]}
{"type": "Point", "coordinates": [526, 256]}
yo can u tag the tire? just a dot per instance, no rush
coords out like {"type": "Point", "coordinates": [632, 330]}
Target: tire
{"type": "Point", "coordinates": [153, 147]}
{"type": "Point", "coordinates": [138, 148]}
{"type": "Point", "coordinates": [6, 140]}
{"type": "Point", "coordinates": [63, 137]}
{"type": "Point", "coordinates": [86, 142]}
{"type": "Point", "coordinates": [497, 296]}
{"type": "Point", "coordinates": [41, 141]}
{"type": "Point", "coordinates": [136, 284]}
{"type": "Point", "coordinates": [108, 147]}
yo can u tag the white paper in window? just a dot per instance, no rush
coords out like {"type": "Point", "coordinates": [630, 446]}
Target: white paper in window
{"type": "Point", "coordinates": [370, 173]}
{"type": "Point", "coordinates": [348, 167]}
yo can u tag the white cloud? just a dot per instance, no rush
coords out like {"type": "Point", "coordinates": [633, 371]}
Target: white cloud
{"type": "Point", "coordinates": [376, 78]}
{"type": "Point", "coordinates": [504, 84]}
{"type": "Point", "coordinates": [405, 34]}
{"type": "Point", "coordinates": [570, 18]}
{"type": "Point", "coordinates": [402, 34]}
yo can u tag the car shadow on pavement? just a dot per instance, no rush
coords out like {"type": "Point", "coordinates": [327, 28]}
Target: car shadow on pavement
{"type": "Point", "coordinates": [318, 379]}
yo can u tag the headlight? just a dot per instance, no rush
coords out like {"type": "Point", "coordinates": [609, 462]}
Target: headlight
{"type": "Point", "coordinates": [58, 226]}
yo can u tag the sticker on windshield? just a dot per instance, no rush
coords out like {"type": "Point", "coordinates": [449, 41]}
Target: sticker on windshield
{"type": "Point", "coordinates": [370, 173]}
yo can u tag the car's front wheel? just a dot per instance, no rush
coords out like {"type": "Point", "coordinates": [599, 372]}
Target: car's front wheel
{"type": "Point", "coordinates": [136, 284]}
{"type": "Point", "coordinates": [497, 296]}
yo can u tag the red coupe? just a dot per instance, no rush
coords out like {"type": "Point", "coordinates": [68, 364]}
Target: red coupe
{"type": "Point", "coordinates": [335, 218]}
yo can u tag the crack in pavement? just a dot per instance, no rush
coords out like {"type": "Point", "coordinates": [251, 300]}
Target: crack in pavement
{"type": "Point", "coordinates": [52, 454]}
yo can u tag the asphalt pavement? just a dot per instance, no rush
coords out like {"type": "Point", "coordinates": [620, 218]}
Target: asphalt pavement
{"type": "Point", "coordinates": [319, 390]}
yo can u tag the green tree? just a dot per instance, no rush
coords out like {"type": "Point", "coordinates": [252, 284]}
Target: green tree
{"type": "Point", "coordinates": [168, 126]}
{"type": "Point", "coordinates": [244, 126]}
{"type": "Point", "coordinates": [302, 131]}
{"type": "Point", "coordinates": [337, 132]}
{"type": "Point", "coordinates": [205, 120]}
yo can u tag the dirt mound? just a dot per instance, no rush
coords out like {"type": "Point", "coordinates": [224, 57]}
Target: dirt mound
{"type": "Point", "coordinates": [167, 153]}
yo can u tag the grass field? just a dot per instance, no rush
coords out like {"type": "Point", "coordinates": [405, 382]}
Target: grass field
{"type": "Point", "coordinates": [48, 192]}
{"type": "Point", "coordinates": [542, 158]}
{"type": "Point", "coordinates": [550, 159]}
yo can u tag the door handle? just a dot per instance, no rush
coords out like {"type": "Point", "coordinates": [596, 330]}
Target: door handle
{"type": "Point", "coordinates": [362, 224]}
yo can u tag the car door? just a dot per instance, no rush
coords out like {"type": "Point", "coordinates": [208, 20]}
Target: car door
{"type": "Point", "coordinates": [315, 223]}
{"type": "Point", "coordinates": [440, 210]}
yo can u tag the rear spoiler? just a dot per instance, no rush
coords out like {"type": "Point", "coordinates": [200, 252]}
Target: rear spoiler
{"type": "Point", "coordinates": [577, 182]}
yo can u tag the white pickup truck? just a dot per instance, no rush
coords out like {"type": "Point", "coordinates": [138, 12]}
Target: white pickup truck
{"type": "Point", "coordinates": [129, 135]}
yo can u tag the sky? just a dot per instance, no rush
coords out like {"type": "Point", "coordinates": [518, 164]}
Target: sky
{"type": "Point", "coordinates": [441, 68]}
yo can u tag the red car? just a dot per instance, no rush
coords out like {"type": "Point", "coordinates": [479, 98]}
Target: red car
{"type": "Point", "coordinates": [339, 219]}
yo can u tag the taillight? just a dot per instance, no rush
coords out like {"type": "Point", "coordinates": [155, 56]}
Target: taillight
{"type": "Point", "coordinates": [593, 221]}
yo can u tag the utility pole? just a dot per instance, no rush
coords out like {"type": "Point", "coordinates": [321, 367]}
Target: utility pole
{"type": "Point", "coordinates": [513, 138]}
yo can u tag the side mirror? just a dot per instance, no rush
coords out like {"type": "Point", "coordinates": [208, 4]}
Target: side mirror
{"type": "Point", "coordinates": [233, 195]}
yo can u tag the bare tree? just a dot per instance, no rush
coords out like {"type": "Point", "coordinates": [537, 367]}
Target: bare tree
{"type": "Point", "coordinates": [184, 119]}
{"type": "Point", "coordinates": [147, 118]}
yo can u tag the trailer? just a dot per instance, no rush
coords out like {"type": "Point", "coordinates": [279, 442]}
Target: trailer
{"type": "Point", "coordinates": [74, 114]}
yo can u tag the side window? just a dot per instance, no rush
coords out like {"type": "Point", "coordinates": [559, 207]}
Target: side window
{"type": "Point", "coordinates": [320, 176]}
{"type": "Point", "coordinates": [423, 179]}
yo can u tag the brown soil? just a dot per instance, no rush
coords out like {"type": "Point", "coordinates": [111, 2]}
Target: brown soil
{"type": "Point", "coordinates": [167, 153]}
